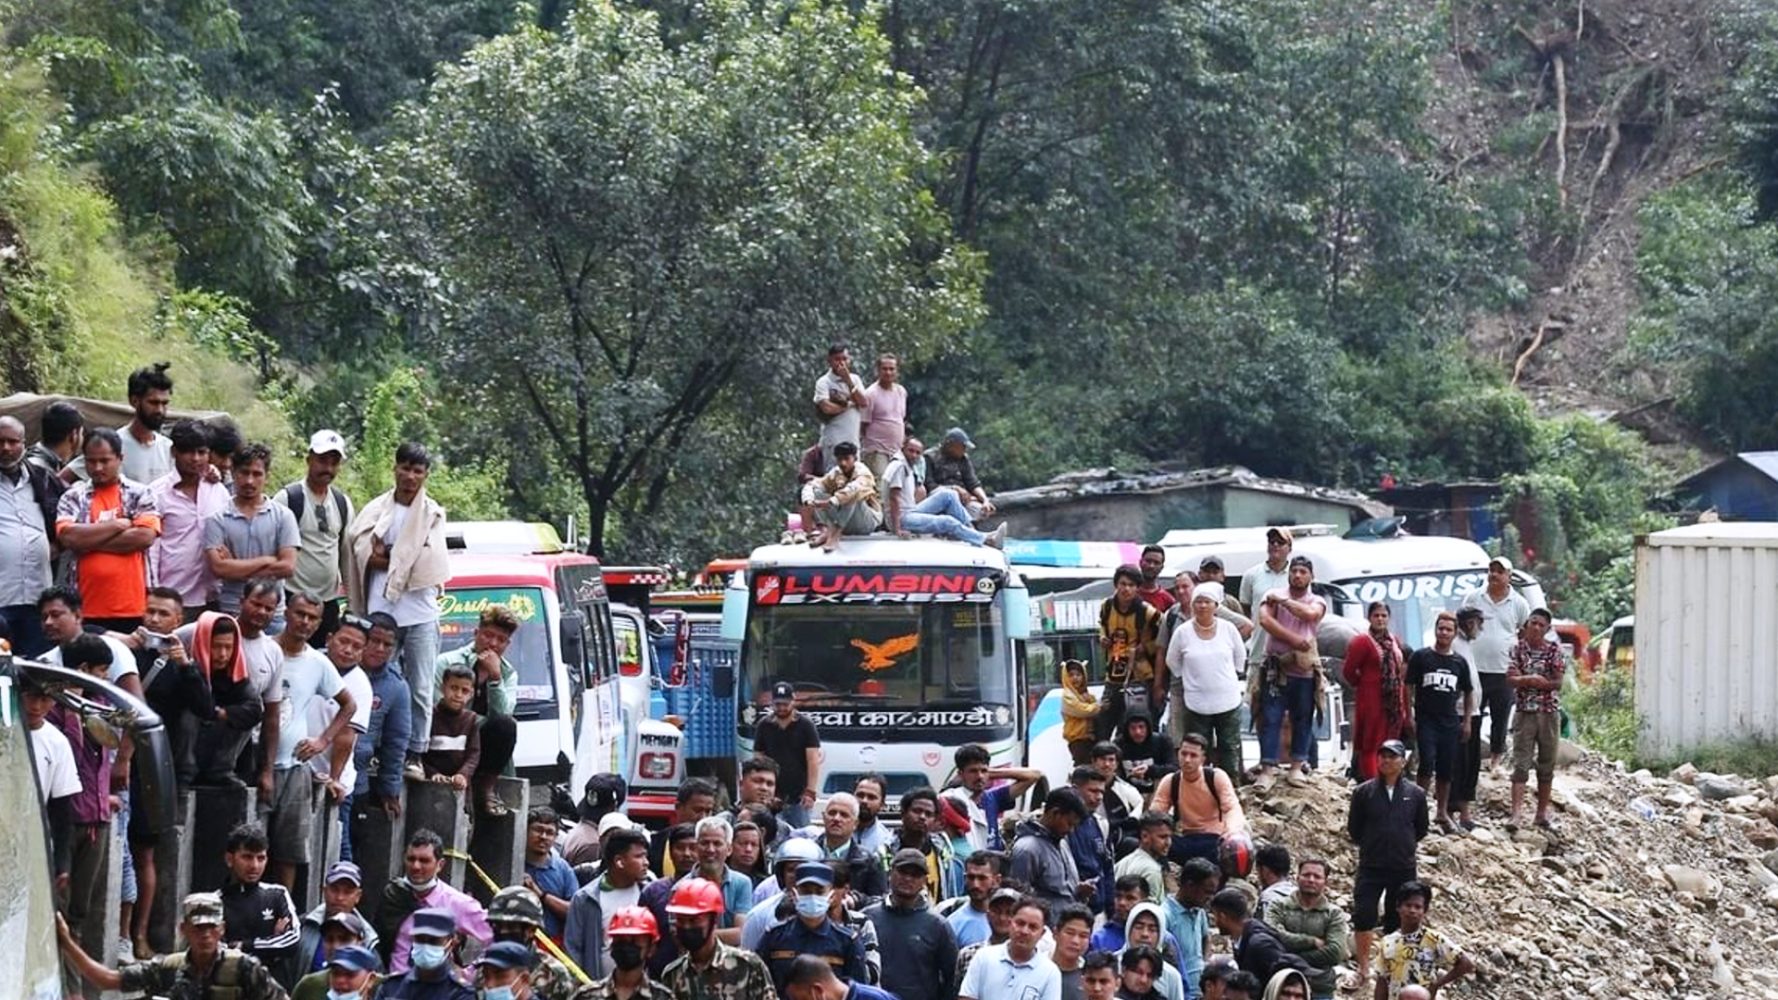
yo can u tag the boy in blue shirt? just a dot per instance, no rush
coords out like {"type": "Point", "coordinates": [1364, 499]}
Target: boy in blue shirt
{"type": "Point", "coordinates": [546, 874]}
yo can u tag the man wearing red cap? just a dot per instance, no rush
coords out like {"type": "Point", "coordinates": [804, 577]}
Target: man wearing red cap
{"type": "Point", "coordinates": [707, 969]}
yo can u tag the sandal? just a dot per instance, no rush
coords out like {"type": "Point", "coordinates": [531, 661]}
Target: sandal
{"type": "Point", "coordinates": [492, 806]}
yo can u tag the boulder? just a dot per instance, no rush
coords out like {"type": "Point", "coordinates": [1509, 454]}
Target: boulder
{"type": "Point", "coordinates": [1770, 859]}
{"type": "Point", "coordinates": [1716, 788]}
{"type": "Point", "coordinates": [1695, 881]}
{"type": "Point", "coordinates": [1685, 773]}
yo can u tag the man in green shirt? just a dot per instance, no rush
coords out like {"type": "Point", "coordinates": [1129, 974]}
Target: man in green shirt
{"type": "Point", "coordinates": [215, 972]}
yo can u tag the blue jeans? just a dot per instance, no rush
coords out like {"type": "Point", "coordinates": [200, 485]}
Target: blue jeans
{"type": "Point", "coordinates": [1298, 698]}
{"type": "Point", "coordinates": [796, 814]}
{"type": "Point", "coordinates": [418, 649]}
{"type": "Point", "coordinates": [346, 827]}
{"type": "Point", "coordinates": [942, 514]}
{"type": "Point", "coordinates": [1186, 846]}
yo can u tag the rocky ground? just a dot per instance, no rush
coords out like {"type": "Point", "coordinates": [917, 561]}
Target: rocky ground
{"type": "Point", "coordinates": [1649, 886]}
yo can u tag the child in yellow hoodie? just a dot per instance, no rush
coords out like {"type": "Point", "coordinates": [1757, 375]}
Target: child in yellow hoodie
{"type": "Point", "coordinates": [1079, 708]}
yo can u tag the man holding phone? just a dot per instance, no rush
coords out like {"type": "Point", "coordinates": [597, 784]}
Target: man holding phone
{"type": "Point", "coordinates": [839, 403]}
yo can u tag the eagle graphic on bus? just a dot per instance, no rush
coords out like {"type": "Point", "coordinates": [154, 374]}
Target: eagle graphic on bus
{"type": "Point", "coordinates": [882, 655]}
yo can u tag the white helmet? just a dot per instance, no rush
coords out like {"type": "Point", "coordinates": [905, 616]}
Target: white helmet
{"type": "Point", "coordinates": [798, 849]}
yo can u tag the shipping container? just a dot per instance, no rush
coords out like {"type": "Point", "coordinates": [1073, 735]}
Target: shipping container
{"type": "Point", "coordinates": [1707, 635]}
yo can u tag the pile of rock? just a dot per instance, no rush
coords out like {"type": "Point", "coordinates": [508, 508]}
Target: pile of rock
{"type": "Point", "coordinates": [1647, 887]}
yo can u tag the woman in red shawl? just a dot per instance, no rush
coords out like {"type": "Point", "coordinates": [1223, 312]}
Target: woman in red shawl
{"type": "Point", "coordinates": [225, 722]}
{"type": "Point", "coordinates": [1377, 669]}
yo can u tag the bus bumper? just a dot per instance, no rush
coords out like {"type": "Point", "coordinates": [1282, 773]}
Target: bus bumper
{"type": "Point", "coordinates": [646, 806]}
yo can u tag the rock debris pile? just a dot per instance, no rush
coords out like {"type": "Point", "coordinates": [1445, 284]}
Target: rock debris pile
{"type": "Point", "coordinates": [1647, 887]}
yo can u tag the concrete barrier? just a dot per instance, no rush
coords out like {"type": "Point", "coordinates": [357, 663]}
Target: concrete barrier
{"type": "Point", "coordinates": [324, 850]}
{"type": "Point", "coordinates": [378, 845]}
{"type": "Point", "coordinates": [172, 865]}
{"type": "Point", "coordinates": [215, 812]}
{"type": "Point", "coordinates": [498, 843]}
{"type": "Point", "coordinates": [438, 807]}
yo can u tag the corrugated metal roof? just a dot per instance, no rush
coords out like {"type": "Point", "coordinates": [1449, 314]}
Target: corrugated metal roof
{"type": "Point", "coordinates": [1764, 462]}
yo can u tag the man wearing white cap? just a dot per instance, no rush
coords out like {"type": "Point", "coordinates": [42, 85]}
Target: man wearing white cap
{"type": "Point", "coordinates": [1504, 614]}
{"type": "Point", "coordinates": [322, 513]}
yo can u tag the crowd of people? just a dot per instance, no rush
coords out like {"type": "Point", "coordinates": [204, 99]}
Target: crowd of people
{"type": "Point", "coordinates": [867, 474]}
{"type": "Point", "coordinates": [290, 640]}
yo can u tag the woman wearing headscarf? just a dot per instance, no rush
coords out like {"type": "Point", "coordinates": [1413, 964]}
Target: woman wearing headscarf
{"type": "Point", "coordinates": [1205, 657]}
{"type": "Point", "coordinates": [226, 718]}
{"type": "Point", "coordinates": [1377, 669]}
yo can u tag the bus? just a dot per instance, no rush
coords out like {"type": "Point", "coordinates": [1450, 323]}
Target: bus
{"type": "Point", "coordinates": [899, 650]}
{"type": "Point", "coordinates": [577, 714]}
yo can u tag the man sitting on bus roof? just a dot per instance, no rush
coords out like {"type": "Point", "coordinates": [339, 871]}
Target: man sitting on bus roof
{"type": "Point", "coordinates": [940, 514]}
{"type": "Point", "coordinates": [842, 502]}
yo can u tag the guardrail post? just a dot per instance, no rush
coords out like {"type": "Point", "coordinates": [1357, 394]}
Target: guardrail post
{"type": "Point", "coordinates": [498, 844]}
{"type": "Point", "coordinates": [438, 807]}
{"type": "Point", "coordinates": [223, 807]}
{"type": "Point", "coordinates": [378, 847]}
{"type": "Point", "coordinates": [172, 864]}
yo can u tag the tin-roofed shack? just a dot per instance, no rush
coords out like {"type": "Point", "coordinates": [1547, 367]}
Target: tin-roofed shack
{"type": "Point", "coordinates": [1109, 504]}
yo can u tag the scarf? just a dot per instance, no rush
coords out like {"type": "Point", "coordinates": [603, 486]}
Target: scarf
{"type": "Point", "coordinates": [1394, 678]}
{"type": "Point", "coordinates": [200, 646]}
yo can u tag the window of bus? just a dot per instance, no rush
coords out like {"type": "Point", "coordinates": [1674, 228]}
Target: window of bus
{"type": "Point", "coordinates": [1414, 600]}
{"type": "Point", "coordinates": [892, 655]}
{"type": "Point", "coordinates": [531, 652]}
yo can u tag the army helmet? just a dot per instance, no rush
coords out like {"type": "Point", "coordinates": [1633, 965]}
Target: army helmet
{"type": "Point", "coordinates": [515, 904]}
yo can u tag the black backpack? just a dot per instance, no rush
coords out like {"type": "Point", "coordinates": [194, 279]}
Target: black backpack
{"type": "Point", "coordinates": [295, 497]}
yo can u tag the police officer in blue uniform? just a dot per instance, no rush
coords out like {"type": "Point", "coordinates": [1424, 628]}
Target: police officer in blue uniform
{"type": "Point", "coordinates": [812, 932]}
{"type": "Point", "coordinates": [433, 975]}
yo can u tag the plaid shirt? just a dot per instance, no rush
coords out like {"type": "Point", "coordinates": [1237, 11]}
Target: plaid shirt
{"type": "Point", "coordinates": [733, 975]}
{"type": "Point", "coordinates": [1544, 661]}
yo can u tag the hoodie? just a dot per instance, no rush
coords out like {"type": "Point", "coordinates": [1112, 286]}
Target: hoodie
{"type": "Point", "coordinates": [1079, 707]}
{"type": "Point", "coordinates": [1259, 951]}
{"type": "Point", "coordinates": [1275, 986]}
{"type": "Point", "coordinates": [230, 688]}
{"type": "Point", "coordinates": [1169, 984]}
{"type": "Point", "coordinates": [1042, 860]}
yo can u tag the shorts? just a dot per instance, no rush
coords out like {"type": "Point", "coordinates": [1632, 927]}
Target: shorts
{"type": "Point", "coordinates": [1534, 743]}
{"type": "Point", "coordinates": [1367, 888]}
{"type": "Point", "coordinates": [290, 822]}
{"type": "Point", "coordinates": [1438, 749]}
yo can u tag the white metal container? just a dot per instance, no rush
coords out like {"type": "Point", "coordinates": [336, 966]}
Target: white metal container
{"type": "Point", "coordinates": [1707, 634]}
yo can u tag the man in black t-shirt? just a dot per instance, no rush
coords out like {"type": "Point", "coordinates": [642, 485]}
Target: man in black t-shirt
{"type": "Point", "coordinates": [1443, 700]}
{"type": "Point", "coordinates": [788, 737]}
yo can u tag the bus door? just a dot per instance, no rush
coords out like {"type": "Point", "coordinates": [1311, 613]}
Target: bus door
{"type": "Point", "coordinates": [599, 738]}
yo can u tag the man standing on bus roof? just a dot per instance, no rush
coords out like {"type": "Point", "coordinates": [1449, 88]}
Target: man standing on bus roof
{"type": "Point", "coordinates": [323, 513]}
{"type": "Point", "coordinates": [790, 738]}
{"type": "Point", "coordinates": [840, 402]}
{"type": "Point", "coordinates": [985, 804]}
{"type": "Point", "coordinates": [1504, 614]}
{"type": "Point", "coordinates": [885, 416]}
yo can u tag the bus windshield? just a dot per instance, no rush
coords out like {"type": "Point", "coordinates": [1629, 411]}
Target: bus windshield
{"type": "Point", "coordinates": [29, 966]}
{"type": "Point", "coordinates": [531, 653]}
{"type": "Point", "coordinates": [890, 656]}
{"type": "Point", "coordinates": [1414, 599]}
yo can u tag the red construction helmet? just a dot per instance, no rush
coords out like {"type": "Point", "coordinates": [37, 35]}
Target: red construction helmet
{"type": "Point", "coordinates": [634, 920]}
{"type": "Point", "coordinates": [693, 896]}
{"type": "Point", "coordinates": [1236, 855]}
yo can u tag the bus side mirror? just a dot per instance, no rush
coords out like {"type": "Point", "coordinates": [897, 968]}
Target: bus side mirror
{"type": "Point", "coordinates": [722, 681]}
{"type": "Point", "coordinates": [1018, 613]}
{"type": "Point", "coordinates": [734, 609]}
{"type": "Point", "coordinates": [574, 642]}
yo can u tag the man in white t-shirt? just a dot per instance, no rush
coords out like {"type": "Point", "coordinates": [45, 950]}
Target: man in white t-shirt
{"type": "Point", "coordinates": [336, 768]}
{"type": "Point", "coordinates": [1015, 970]}
{"type": "Point", "coordinates": [839, 402]}
{"type": "Point", "coordinates": [287, 788]}
{"type": "Point", "coordinates": [1261, 579]}
{"type": "Point", "coordinates": [942, 512]}
{"type": "Point", "coordinates": [147, 453]}
{"type": "Point", "coordinates": [58, 781]}
{"type": "Point", "coordinates": [1504, 614]}
{"type": "Point", "coordinates": [884, 418]}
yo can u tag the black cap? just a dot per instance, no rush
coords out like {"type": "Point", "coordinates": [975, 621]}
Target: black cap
{"type": "Point", "coordinates": [908, 857]}
{"type": "Point", "coordinates": [1394, 748]}
{"type": "Point", "coordinates": [783, 691]}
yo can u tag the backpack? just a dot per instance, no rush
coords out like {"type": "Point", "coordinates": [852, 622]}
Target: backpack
{"type": "Point", "coordinates": [1209, 782]}
{"type": "Point", "coordinates": [295, 497]}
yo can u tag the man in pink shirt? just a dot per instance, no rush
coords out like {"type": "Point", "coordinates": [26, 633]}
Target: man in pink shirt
{"type": "Point", "coordinates": [186, 499]}
{"type": "Point", "coordinates": [419, 889]}
{"type": "Point", "coordinates": [885, 417]}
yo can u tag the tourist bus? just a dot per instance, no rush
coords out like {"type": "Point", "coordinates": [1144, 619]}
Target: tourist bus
{"type": "Point", "coordinates": [899, 650]}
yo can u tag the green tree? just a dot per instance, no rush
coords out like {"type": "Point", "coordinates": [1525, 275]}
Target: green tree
{"type": "Point", "coordinates": [610, 236]}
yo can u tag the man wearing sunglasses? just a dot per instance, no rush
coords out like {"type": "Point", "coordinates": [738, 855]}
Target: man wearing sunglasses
{"type": "Point", "coordinates": [322, 513]}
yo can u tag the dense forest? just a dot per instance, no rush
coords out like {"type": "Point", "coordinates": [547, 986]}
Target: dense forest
{"type": "Point", "coordinates": [593, 251]}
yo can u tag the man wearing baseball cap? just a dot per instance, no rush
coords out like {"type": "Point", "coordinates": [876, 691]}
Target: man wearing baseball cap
{"type": "Point", "coordinates": [951, 468]}
{"type": "Point", "coordinates": [205, 970]}
{"type": "Point", "coordinates": [1387, 821]}
{"type": "Point", "coordinates": [1504, 614]}
{"type": "Point", "coordinates": [341, 891]}
{"type": "Point", "coordinates": [322, 513]}
{"type": "Point", "coordinates": [504, 970]}
{"type": "Point", "coordinates": [919, 949]}
{"type": "Point", "coordinates": [812, 932]}
{"type": "Point", "coordinates": [790, 738]}
{"type": "Point", "coordinates": [1271, 574]}
{"type": "Point", "coordinates": [342, 941]}
{"type": "Point", "coordinates": [433, 975]}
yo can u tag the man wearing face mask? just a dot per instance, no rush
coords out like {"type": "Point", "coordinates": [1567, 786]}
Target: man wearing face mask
{"type": "Point", "coordinates": [433, 975]}
{"type": "Point", "coordinates": [350, 974]}
{"type": "Point", "coordinates": [418, 891]}
{"type": "Point", "coordinates": [812, 932]}
{"type": "Point", "coordinates": [516, 914]}
{"type": "Point", "coordinates": [709, 969]}
{"type": "Point", "coordinates": [506, 972]}
{"type": "Point", "coordinates": [632, 932]}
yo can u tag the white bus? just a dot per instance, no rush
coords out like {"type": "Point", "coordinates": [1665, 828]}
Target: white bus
{"type": "Point", "coordinates": [900, 651]}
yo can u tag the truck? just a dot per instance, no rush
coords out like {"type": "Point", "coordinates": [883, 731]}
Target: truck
{"type": "Point", "coordinates": [900, 651]}
{"type": "Point", "coordinates": [1706, 622]}
{"type": "Point", "coordinates": [30, 964]}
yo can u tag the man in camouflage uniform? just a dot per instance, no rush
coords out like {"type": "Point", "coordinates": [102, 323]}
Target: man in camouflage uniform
{"type": "Point", "coordinates": [633, 933]}
{"type": "Point", "coordinates": [204, 971]}
{"type": "Point", "coordinates": [707, 969]}
{"type": "Point", "coordinates": [516, 914]}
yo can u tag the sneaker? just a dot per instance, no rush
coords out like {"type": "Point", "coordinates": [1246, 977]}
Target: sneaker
{"type": "Point", "coordinates": [414, 770]}
{"type": "Point", "coordinates": [997, 538]}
